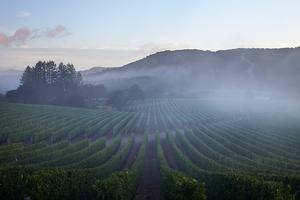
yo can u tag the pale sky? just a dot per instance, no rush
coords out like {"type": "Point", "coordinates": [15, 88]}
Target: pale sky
{"type": "Point", "coordinates": [112, 33]}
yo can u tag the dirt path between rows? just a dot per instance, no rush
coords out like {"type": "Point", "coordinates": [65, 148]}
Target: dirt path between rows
{"type": "Point", "coordinates": [133, 154]}
{"type": "Point", "coordinates": [168, 154]}
{"type": "Point", "coordinates": [149, 182]}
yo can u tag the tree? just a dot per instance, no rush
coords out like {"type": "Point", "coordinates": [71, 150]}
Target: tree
{"type": "Point", "coordinates": [135, 93]}
{"type": "Point", "coordinates": [79, 79]}
{"type": "Point", "coordinates": [119, 98]}
{"type": "Point", "coordinates": [93, 91]}
{"type": "Point", "coordinates": [27, 77]}
{"type": "Point", "coordinates": [47, 83]}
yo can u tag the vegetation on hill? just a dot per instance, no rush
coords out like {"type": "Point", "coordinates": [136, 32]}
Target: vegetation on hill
{"type": "Point", "coordinates": [49, 83]}
{"type": "Point", "coordinates": [197, 73]}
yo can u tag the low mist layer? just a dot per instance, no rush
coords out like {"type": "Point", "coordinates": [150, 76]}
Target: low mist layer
{"type": "Point", "coordinates": [255, 73]}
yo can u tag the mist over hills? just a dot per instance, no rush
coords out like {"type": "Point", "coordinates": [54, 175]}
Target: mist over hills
{"type": "Point", "coordinates": [191, 72]}
{"type": "Point", "coordinates": [9, 79]}
{"type": "Point", "coordinates": [262, 72]}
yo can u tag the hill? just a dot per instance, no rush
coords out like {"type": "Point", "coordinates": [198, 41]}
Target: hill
{"type": "Point", "coordinates": [93, 71]}
{"type": "Point", "coordinates": [191, 72]}
{"type": "Point", "coordinates": [261, 71]}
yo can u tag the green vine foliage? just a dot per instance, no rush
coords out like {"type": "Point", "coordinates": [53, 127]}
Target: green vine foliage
{"type": "Point", "coordinates": [119, 186]}
{"type": "Point", "coordinates": [177, 186]}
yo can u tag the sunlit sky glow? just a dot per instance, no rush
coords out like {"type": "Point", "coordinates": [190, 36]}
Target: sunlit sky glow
{"type": "Point", "coordinates": [112, 33]}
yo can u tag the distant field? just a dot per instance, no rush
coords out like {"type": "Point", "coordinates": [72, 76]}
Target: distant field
{"type": "Point", "coordinates": [151, 149]}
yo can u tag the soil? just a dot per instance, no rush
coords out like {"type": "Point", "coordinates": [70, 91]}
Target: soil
{"type": "Point", "coordinates": [78, 138]}
{"type": "Point", "coordinates": [168, 154]}
{"type": "Point", "coordinates": [132, 155]}
{"type": "Point", "coordinates": [149, 182]}
{"type": "Point", "coordinates": [95, 136]}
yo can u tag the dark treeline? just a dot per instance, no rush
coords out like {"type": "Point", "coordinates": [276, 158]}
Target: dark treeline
{"type": "Point", "coordinates": [119, 98]}
{"type": "Point", "coordinates": [49, 83]}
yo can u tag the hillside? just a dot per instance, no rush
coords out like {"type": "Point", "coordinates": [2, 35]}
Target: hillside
{"type": "Point", "coordinates": [259, 70]}
{"type": "Point", "coordinates": [93, 71]}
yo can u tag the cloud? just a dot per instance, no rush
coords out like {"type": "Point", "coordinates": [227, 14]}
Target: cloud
{"type": "Point", "coordinates": [19, 37]}
{"type": "Point", "coordinates": [3, 39]}
{"type": "Point", "coordinates": [22, 35]}
{"type": "Point", "coordinates": [57, 31]}
{"type": "Point", "coordinates": [23, 14]}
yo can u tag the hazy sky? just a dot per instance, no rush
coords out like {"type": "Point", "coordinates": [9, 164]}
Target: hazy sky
{"type": "Point", "coordinates": [114, 32]}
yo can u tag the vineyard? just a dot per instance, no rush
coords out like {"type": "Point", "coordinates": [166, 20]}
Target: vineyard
{"type": "Point", "coordinates": [155, 149]}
